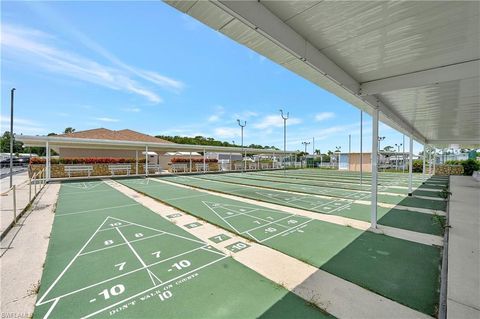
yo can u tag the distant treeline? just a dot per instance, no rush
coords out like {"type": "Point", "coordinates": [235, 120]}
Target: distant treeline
{"type": "Point", "coordinates": [201, 140]}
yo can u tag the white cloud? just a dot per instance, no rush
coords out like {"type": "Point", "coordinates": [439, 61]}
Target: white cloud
{"type": "Point", "coordinates": [227, 132]}
{"type": "Point", "coordinates": [132, 109]}
{"type": "Point", "coordinates": [32, 46]}
{"type": "Point", "coordinates": [324, 116]}
{"type": "Point", "coordinates": [217, 115]}
{"type": "Point", "coordinates": [106, 119]}
{"type": "Point", "coordinates": [271, 121]}
{"type": "Point", "coordinates": [21, 126]}
{"type": "Point", "coordinates": [245, 115]}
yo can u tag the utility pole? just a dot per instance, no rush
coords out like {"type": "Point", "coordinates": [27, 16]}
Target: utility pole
{"type": "Point", "coordinates": [305, 144]}
{"type": "Point", "coordinates": [285, 118]}
{"type": "Point", "coordinates": [242, 126]}
{"type": "Point", "coordinates": [12, 95]}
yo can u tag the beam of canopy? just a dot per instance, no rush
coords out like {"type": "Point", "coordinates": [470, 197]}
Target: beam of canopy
{"type": "Point", "coordinates": [418, 62]}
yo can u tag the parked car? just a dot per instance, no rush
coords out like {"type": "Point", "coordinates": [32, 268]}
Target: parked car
{"type": "Point", "coordinates": [17, 161]}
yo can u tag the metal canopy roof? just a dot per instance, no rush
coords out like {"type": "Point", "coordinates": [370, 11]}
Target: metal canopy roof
{"type": "Point", "coordinates": [418, 62]}
{"type": "Point", "coordinates": [69, 142]}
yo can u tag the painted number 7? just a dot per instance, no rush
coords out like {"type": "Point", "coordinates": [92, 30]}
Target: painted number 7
{"type": "Point", "coordinates": [121, 265]}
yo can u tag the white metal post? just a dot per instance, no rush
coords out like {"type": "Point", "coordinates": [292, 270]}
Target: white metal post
{"type": "Point", "coordinates": [136, 162]}
{"type": "Point", "coordinates": [410, 166]}
{"type": "Point", "coordinates": [48, 161]}
{"type": "Point", "coordinates": [373, 218]}
{"type": "Point", "coordinates": [361, 147]}
{"type": "Point", "coordinates": [403, 154]}
{"type": "Point", "coordinates": [146, 161]}
{"type": "Point", "coordinates": [434, 155]}
{"type": "Point", "coordinates": [424, 156]}
{"type": "Point", "coordinates": [204, 160]}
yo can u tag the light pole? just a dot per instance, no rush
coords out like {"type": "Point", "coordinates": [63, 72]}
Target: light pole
{"type": "Point", "coordinates": [305, 144]}
{"type": "Point", "coordinates": [242, 126]}
{"type": "Point", "coordinates": [337, 150]}
{"type": "Point", "coordinates": [285, 118]}
{"type": "Point", "coordinates": [12, 95]}
{"type": "Point", "coordinates": [349, 149]}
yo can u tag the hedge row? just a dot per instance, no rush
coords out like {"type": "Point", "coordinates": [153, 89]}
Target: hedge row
{"type": "Point", "coordinates": [194, 160]}
{"type": "Point", "coordinates": [469, 165]}
{"type": "Point", "coordinates": [88, 160]}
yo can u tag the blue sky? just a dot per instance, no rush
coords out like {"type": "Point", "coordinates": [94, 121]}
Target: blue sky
{"type": "Point", "coordinates": [147, 67]}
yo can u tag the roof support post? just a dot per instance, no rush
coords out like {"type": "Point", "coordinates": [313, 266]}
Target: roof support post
{"type": "Point", "coordinates": [136, 162]}
{"type": "Point", "coordinates": [424, 155]}
{"type": "Point", "coordinates": [190, 162]}
{"type": "Point", "coordinates": [434, 159]}
{"type": "Point", "coordinates": [48, 162]}
{"type": "Point", "coordinates": [204, 160]}
{"type": "Point", "coordinates": [146, 161]}
{"type": "Point", "coordinates": [361, 147]}
{"type": "Point", "coordinates": [410, 165]}
{"type": "Point", "coordinates": [373, 217]}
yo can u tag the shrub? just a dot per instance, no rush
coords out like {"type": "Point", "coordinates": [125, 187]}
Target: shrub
{"type": "Point", "coordinates": [417, 166]}
{"type": "Point", "coordinates": [86, 160]}
{"type": "Point", "coordinates": [469, 166]}
{"type": "Point", "coordinates": [194, 160]}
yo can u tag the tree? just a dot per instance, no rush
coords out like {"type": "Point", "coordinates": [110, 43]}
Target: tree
{"type": "Point", "coordinates": [5, 144]}
{"type": "Point", "coordinates": [69, 130]}
{"type": "Point", "coordinates": [388, 148]}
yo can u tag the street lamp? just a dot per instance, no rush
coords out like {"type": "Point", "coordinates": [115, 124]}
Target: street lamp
{"type": "Point", "coordinates": [12, 95]}
{"type": "Point", "coordinates": [242, 126]}
{"type": "Point", "coordinates": [380, 139]}
{"type": "Point", "coordinates": [285, 118]}
{"type": "Point", "coordinates": [337, 150]}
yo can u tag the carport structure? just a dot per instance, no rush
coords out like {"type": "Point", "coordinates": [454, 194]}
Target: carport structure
{"type": "Point", "coordinates": [413, 65]}
{"type": "Point", "coordinates": [140, 148]}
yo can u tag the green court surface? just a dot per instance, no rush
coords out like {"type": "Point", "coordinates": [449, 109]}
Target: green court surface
{"type": "Point", "coordinates": [394, 186]}
{"type": "Point", "coordinates": [402, 200]}
{"type": "Point", "coordinates": [401, 270]}
{"type": "Point", "coordinates": [111, 257]}
{"type": "Point", "coordinates": [398, 218]}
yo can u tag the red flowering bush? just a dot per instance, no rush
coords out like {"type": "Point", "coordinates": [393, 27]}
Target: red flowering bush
{"type": "Point", "coordinates": [194, 160]}
{"type": "Point", "coordinates": [85, 160]}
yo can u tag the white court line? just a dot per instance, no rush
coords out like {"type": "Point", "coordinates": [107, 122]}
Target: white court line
{"type": "Point", "coordinates": [171, 234]}
{"type": "Point", "coordinates": [268, 224]}
{"type": "Point", "coordinates": [150, 274]}
{"type": "Point", "coordinates": [39, 302]}
{"type": "Point", "coordinates": [118, 245]}
{"type": "Point", "coordinates": [185, 197]}
{"type": "Point", "coordinates": [154, 287]}
{"type": "Point", "coordinates": [122, 275]}
{"type": "Point", "coordinates": [220, 217]}
{"type": "Point", "coordinates": [75, 193]}
{"type": "Point", "coordinates": [263, 240]}
{"type": "Point", "coordinates": [97, 209]}
{"type": "Point", "coordinates": [212, 251]}
{"type": "Point", "coordinates": [51, 308]}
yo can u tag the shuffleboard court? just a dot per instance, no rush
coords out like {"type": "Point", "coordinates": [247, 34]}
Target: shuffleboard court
{"type": "Point", "coordinates": [392, 217]}
{"type": "Point", "coordinates": [384, 179]}
{"type": "Point", "coordinates": [392, 187]}
{"type": "Point", "coordinates": [111, 257]}
{"type": "Point", "coordinates": [407, 201]}
{"type": "Point", "coordinates": [404, 271]}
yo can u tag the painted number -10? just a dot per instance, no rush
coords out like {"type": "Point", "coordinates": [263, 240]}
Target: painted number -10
{"type": "Point", "coordinates": [114, 291]}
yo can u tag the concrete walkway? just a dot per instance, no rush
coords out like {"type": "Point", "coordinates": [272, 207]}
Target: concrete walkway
{"type": "Point", "coordinates": [24, 249]}
{"type": "Point", "coordinates": [463, 288]}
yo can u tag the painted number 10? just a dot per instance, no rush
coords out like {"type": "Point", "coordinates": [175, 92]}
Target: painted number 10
{"type": "Point", "coordinates": [114, 291]}
{"type": "Point", "coordinates": [182, 264]}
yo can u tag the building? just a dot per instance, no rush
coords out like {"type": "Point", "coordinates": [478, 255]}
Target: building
{"type": "Point", "coordinates": [111, 135]}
